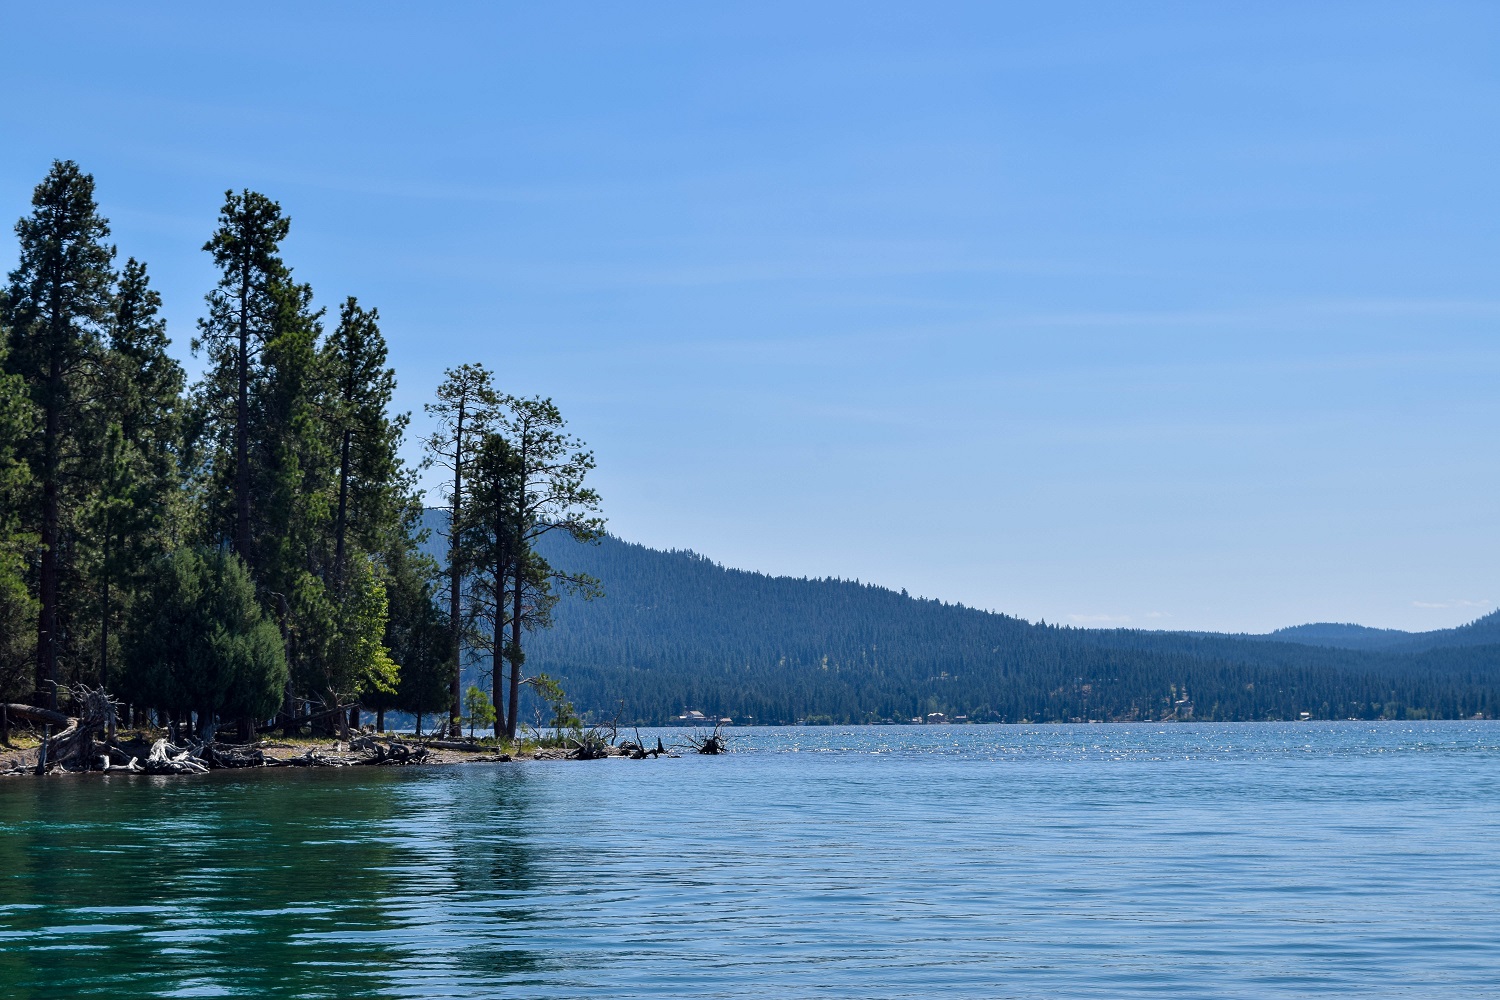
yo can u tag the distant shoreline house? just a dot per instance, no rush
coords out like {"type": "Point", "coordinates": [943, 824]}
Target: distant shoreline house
{"type": "Point", "coordinates": [938, 719]}
{"type": "Point", "coordinates": [695, 717]}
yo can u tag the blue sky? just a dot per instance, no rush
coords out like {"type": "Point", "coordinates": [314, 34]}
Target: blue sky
{"type": "Point", "coordinates": [1164, 315]}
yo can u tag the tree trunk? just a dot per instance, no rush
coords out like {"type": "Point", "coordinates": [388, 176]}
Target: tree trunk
{"type": "Point", "coordinates": [497, 663]}
{"type": "Point", "coordinates": [341, 519]}
{"type": "Point", "coordinates": [518, 586]}
{"type": "Point", "coordinates": [380, 719]}
{"type": "Point", "coordinates": [516, 656]}
{"type": "Point", "coordinates": [337, 716]}
{"type": "Point", "coordinates": [48, 626]}
{"type": "Point", "coordinates": [455, 573]}
{"type": "Point", "coordinates": [292, 724]}
{"type": "Point", "coordinates": [104, 616]}
{"type": "Point", "coordinates": [241, 425]}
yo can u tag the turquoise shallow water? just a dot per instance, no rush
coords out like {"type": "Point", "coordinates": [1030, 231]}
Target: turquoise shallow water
{"type": "Point", "coordinates": [1253, 860]}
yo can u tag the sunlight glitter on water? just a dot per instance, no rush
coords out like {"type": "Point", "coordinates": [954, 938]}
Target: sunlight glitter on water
{"type": "Point", "coordinates": [1025, 861]}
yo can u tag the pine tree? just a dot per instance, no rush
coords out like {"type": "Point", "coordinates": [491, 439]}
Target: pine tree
{"type": "Point", "coordinates": [291, 463]}
{"type": "Point", "coordinates": [488, 544]}
{"type": "Point", "coordinates": [416, 629]}
{"type": "Point", "coordinates": [464, 408]}
{"type": "Point", "coordinates": [17, 607]}
{"type": "Point", "coordinates": [136, 507]}
{"type": "Point", "coordinates": [374, 497]}
{"type": "Point", "coordinates": [373, 487]}
{"type": "Point", "coordinates": [242, 313]}
{"type": "Point", "coordinates": [57, 303]}
{"type": "Point", "coordinates": [550, 466]}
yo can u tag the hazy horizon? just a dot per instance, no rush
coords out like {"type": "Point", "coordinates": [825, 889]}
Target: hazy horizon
{"type": "Point", "coordinates": [1160, 317]}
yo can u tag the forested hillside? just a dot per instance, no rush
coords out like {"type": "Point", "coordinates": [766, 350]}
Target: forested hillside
{"type": "Point", "coordinates": [675, 631]}
{"type": "Point", "coordinates": [1485, 631]}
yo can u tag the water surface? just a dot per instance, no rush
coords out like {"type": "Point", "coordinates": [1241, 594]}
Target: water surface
{"type": "Point", "coordinates": [1238, 860]}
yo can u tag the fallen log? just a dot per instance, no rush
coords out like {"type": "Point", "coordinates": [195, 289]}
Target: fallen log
{"type": "Point", "coordinates": [387, 750]}
{"type": "Point", "coordinates": [311, 758]}
{"type": "Point", "coordinates": [72, 749]}
{"type": "Point", "coordinates": [453, 745]}
{"type": "Point", "coordinates": [222, 755]}
{"type": "Point", "coordinates": [36, 714]}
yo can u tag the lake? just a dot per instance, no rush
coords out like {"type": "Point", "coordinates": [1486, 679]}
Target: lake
{"type": "Point", "coordinates": [1226, 860]}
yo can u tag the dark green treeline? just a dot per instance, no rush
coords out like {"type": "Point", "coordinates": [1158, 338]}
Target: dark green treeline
{"type": "Point", "coordinates": [680, 632]}
{"type": "Point", "coordinates": [245, 548]}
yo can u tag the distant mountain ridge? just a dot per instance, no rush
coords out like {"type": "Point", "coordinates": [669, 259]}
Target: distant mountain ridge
{"type": "Point", "coordinates": [677, 632]}
{"type": "Point", "coordinates": [1340, 634]}
{"type": "Point", "coordinates": [1481, 631]}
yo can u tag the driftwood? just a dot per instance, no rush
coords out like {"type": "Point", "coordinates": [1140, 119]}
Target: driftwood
{"type": "Point", "coordinates": [714, 743]}
{"type": "Point", "coordinates": [465, 746]}
{"type": "Point", "coordinates": [73, 747]}
{"type": "Point", "coordinates": [86, 743]}
{"type": "Point", "coordinates": [638, 750]}
{"type": "Point", "coordinates": [387, 750]}
{"type": "Point", "coordinates": [36, 714]}
{"type": "Point", "coordinates": [168, 759]}
{"type": "Point", "coordinates": [223, 755]}
{"type": "Point", "coordinates": [363, 750]}
{"type": "Point", "coordinates": [312, 758]}
{"type": "Point", "coordinates": [592, 745]}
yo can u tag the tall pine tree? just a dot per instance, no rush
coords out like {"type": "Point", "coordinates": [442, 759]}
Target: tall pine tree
{"type": "Point", "coordinates": [17, 606]}
{"type": "Point", "coordinates": [57, 304]}
{"type": "Point", "coordinates": [242, 313]}
{"type": "Point", "coordinates": [136, 507]}
{"type": "Point", "coordinates": [464, 409]}
{"type": "Point", "coordinates": [372, 485]}
{"type": "Point", "coordinates": [376, 508]}
{"type": "Point", "coordinates": [549, 467]}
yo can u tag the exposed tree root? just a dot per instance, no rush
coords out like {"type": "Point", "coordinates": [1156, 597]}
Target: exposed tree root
{"type": "Point", "coordinates": [714, 743]}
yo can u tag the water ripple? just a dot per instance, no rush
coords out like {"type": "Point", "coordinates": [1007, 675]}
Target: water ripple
{"type": "Point", "coordinates": [1201, 861]}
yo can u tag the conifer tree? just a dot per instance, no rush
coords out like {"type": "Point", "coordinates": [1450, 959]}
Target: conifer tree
{"type": "Point", "coordinates": [242, 313]}
{"type": "Point", "coordinates": [550, 466]}
{"type": "Point", "coordinates": [333, 493]}
{"type": "Point", "coordinates": [488, 542]}
{"type": "Point", "coordinates": [57, 302]}
{"type": "Point", "coordinates": [17, 607]}
{"type": "Point", "coordinates": [291, 459]}
{"type": "Point", "coordinates": [199, 641]}
{"type": "Point", "coordinates": [372, 485]}
{"type": "Point", "coordinates": [464, 409]}
{"type": "Point", "coordinates": [291, 462]}
{"type": "Point", "coordinates": [136, 505]}
{"type": "Point", "coordinates": [417, 630]}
